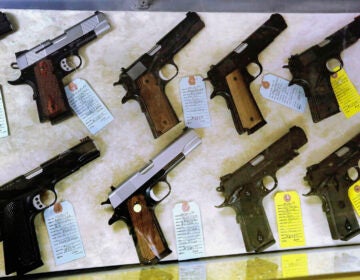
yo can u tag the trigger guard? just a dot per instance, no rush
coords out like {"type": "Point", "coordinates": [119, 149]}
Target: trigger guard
{"type": "Point", "coordinates": [341, 64]}
{"type": "Point", "coordinates": [163, 78]}
{"type": "Point", "coordinates": [260, 69]}
{"type": "Point", "coordinates": [273, 188]}
{"type": "Point", "coordinates": [68, 68]}
{"type": "Point", "coordinates": [257, 62]}
{"type": "Point", "coordinates": [154, 197]}
{"type": "Point", "coordinates": [39, 205]}
{"type": "Point", "coordinates": [14, 65]}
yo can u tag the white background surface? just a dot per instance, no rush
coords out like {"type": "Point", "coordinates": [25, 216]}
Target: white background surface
{"type": "Point", "coordinates": [127, 143]}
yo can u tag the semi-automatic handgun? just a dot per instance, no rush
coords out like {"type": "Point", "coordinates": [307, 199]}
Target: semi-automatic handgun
{"type": "Point", "coordinates": [44, 66]}
{"type": "Point", "coordinates": [134, 201]}
{"type": "Point", "coordinates": [142, 79]}
{"type": "Point", "coordinates": [231, 78]}
{"type": "Point", "coordinates": [311, 70]}
{"type": "Point", "coordinates": [245, 188]}
{"type": "Point", "coordinates": [21, 201]}
{"type": "Point", "coordinates": [330, 180]}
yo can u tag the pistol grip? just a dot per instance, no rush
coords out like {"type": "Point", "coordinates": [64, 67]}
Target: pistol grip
{"type": "Point", "coordinates": [157, 108]}
{"type": "Point", "coordinates": [340, 215]}
{"type": "Point", "coordinates": [255, 228]}
{"type": "Point", "coordinates": [50, 99]}
{"type": "Point", "coordinates": [149, 240]}
{"type": "Point", "coordinates": [21, 249]}
{"type": "Point", "coordinates": [246, 110]}
{"type": "Point", "coordinates": [322, 100]}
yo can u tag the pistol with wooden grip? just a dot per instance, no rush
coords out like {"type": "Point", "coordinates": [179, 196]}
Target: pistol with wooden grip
{"type": "Point", "coordinates": [134, 201]}
{"type": "Point", "coordinates": [312, 69]}
{"type": "Point", "coordinates": [245, 188]}
{"type": "Point", "coordinates": [330, 180]}
{"type": "Point", "coordinates": [143, 82]}
{"type": "Point", "coordinates": [21, 201]}
{"type": "Point", "coordinates": [5, 25]}
{"type": "Point", "coordinates": [231, 79]}
{"type": "Point", "coordinates": [44, 66]}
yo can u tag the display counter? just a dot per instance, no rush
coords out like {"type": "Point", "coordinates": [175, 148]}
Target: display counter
{"type": "Point", "coordinates": [126, 144]}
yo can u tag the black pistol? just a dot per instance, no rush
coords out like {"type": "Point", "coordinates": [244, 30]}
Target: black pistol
{"type": "Point", "coordinates": [20, 202]}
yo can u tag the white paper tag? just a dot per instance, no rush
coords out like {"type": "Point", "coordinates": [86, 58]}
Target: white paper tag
{"type": "Point", "coordinates": [87, 105]}
{"type": "Point", "coordinates": [277, 89]}
{"type": "Point", "coordinates": [64, 233]}
{"type": "Point", "coordinates": [194, 102]}
{"type": "Point", "coordinates": [188, 231]}
{"type": "Point", "coordinates": [4, 131]}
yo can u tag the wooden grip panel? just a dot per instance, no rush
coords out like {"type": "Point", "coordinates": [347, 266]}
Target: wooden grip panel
{"type": "Point", "coordinates": [158, 110]}
{"type": "Point", "coordinates": [245, 104]}
{"type": "Point", "coordinates": [51, 101]}
{"type": "Point", "coordinates": [150, 243]}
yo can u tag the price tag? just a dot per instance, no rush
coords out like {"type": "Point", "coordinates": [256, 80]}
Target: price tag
{"type": "Point", "coordinates": [345, 93]}
{"type": "Point", "coordinates": [294, 265]}
{"type": "Point", "coordinates": [188, 231]}
{"type": "Point", "coordinates": [289, 219]}
{"type": "Point", "coordinates": [63, 232]}
{"type": "Point", "coordinates": [3, 121]}
{"type": "Point", "coordinates": [194, 102]}
{"type": "Point", "coordinates": [278, 90]}
{"type": "Point", "coordinates": [87, 105]}
{"type": "Point", "coordinates": [354, 195]}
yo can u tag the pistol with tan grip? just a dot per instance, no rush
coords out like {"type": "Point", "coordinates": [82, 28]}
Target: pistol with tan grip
{"type": "Point", "coordinates": [21, 201]}
{"type": "Point", "coordinates": [244, 189]}
{"type": "Point", "coordinates": [231, 79]}
{"type": "Point", "coordinates": [142, 79]}
{"type": "Point", "coordinates": [330, 180]}
{"type": "Point", "coordinates": [312, 69]}
{"type": "Point", "coordinates": [134, 201]}
{"type": "Point", "coordinates": [44, 66]}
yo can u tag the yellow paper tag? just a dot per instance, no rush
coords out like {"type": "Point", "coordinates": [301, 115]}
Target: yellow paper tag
{"type": "Point", "coordinates": [354, 195]}
{"type": "Point", "coordinates": [345, 93]}
{"type": "Point", "coordinates": [294, 265]}
{"type": "Point", "coordinates": [289, 219]}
